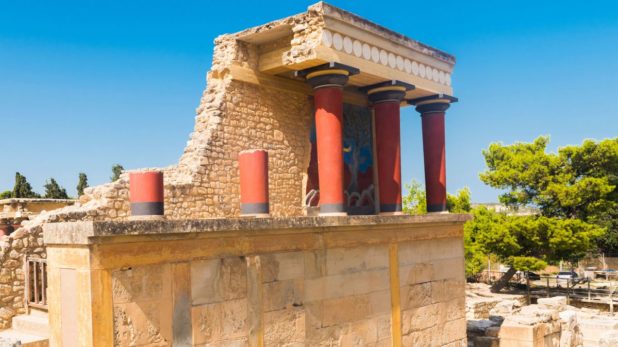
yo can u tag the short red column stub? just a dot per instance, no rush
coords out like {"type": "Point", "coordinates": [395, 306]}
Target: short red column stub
{"type": "Point", "coordinates": [146, 193]}
{"type": "Point", "coordinates": [253, 165]}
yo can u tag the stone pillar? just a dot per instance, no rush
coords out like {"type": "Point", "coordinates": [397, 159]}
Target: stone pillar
{"type": "Point", "coordinates": [327, 81]}
{"type": "Point", "coordinates": [146, 194]}
{"type": "Point", "coordinates": [386, 99]}
{"type": "Point", "coordinates": [432, 110]}
{"type": "Point", "coordinates": [253, 166]}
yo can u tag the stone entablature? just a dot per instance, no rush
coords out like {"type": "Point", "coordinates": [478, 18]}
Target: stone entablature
{"type": "Point", "coordinates": [369, 280]}
{"type": "Point", "coordinates": [338, 35]}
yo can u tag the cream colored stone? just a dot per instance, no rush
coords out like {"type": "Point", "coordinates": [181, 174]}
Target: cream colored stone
{"type": "Point", "coordinates": [141, 283]}
{"type": "Point", "coordinates": [284, 328]}
{"type": "Point", "coordinates": [218, 322]}
{"type": "Point", "coordinates": [416, 295]}
{"type": "Point", "coordinates": [420, 318]}
{"type": "Point", "coordinates": [349, 260]}
{"type": "Point", "coordinates": [352, 308]}
{"type": "Point", "coordinates": [217, 280]}
{"type": "Point", "coordinates": [282, 294]}
{"type": "Point", "coordinates": [451, 269]}
{"type": "Point", "coordinates": [416, 273]}
{"type": "Point", "coordinates": [346, 285]}
{"type": "Point", "coordinates": [138, 324]}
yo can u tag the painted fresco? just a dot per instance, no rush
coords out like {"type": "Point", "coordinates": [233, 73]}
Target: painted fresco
{"type": "Point", "coordinates": [358, 159]}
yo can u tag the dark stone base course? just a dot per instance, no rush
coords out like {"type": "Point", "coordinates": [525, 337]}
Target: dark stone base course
{"type": "Point", "coordinates": [436, 208]}
{"type": "Point", "coordinates": [390, 208]}
{"type": "Point", "coordinates": [147, 209]}
{"type": "Point", "coordinates": [332, 208]}
{"type": "Point", "coordinates": [254, 208]}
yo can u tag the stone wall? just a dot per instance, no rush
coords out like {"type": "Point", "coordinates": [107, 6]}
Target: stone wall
{"type": "Point", "coordinates": [432, 283]}
{"type": "Point", "coordinates": [27, 242]}
{"type": "Point", "coordinates": [365, 281]}
{"type": "Point", "coordinates": [13, 251]}
{"type": "Point", "coordinates": [233, 116]}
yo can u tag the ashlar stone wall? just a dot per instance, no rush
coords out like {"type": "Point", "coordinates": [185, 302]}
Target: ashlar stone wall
{"type": "Point", "coordinates": [353, 281]}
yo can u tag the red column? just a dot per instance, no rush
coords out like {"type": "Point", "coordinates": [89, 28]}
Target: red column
{"type": "Point", "coordinates": [386, 99]}
{"type": "Point", "coordinates": [253, 182]}
{"type": "Point", "coordinates": [327, 81]}
{"type": "Point", "coordinates": [432, 115]}
{"type": "Point", "coordinates": [329, 138]}
{"type": "Point", "coordinates": [146, 193]}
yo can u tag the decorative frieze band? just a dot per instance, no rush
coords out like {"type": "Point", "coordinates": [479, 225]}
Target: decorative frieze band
{"type": "Point", "coordinates": [366, 51]}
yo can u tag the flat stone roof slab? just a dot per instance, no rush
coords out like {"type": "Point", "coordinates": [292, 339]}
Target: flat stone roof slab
{"type": "Point", "coordinates": [94, 232]}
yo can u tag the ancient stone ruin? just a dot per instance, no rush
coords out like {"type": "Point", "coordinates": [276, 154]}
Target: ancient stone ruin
{"type": "Point", "coordinates": [281, 224]}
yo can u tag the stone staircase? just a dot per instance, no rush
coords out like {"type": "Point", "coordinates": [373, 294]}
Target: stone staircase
{"type": "Point", "coordinates": [27, 330]}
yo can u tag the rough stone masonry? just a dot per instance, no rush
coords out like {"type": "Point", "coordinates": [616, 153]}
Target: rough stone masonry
{"type": "Point", "coordinates": [330, 280]}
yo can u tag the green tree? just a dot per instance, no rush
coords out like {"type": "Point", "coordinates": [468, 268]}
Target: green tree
{"type": "Point", "coordinates": [6, 194]}
{"type": "Point", "coordinates": [526, 243]}
{"type": "Point", "coordinates": [414, 201]}
{"type": "Point", "coordinates": [54, 191]}
{"type": "Point", "coordinates": [116, 171]}
{"type": "Point", "coordinates": [82, 184]}
{"type": "Point", "coordinates": [579, 182]}
{"type": "Point", "coordinates": [23, 189]}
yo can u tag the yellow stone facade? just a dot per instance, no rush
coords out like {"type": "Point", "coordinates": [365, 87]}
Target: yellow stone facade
{"type": "Point", "coordinates": [327, 281]}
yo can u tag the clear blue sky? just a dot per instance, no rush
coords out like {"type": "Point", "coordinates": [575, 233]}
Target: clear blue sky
{"type": "Point", "coordinates": [85, 84]}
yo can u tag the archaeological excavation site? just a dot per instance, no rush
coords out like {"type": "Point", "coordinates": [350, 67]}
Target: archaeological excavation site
{"type": "Point", "coordinates": [280, 225]}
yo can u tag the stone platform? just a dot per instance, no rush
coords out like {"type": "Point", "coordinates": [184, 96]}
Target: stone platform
{"type": "Point", "coordinates": [366, 280]}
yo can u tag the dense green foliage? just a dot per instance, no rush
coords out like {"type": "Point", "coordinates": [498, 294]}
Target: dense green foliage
{"type": "Point", "coordinates": [54, 191]}
{"type": "Point", "coordinates": [116, 171]}
{"type": "Point", "coordinates": [82, 184]}
{"type": "Point", "coordinates": [23, 189]}
{"type": "Point", "coordinates": [414, 201]}
{"type": "Point", "coordinates": [6, 194]}
{"type": "Point", "coordinates": [526, 242]}
{"type": "Point", "coordinates": [577, 182]}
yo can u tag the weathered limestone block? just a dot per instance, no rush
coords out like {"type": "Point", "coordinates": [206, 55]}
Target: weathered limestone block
{"type": "Point", "coordinates": [557, 303]}
{"type": "Point", "coordinates": [343, 260]}
{"type": "Point", "coordinates": [609, 339]}
{"type": "Point", "coordinates": [416, 273]}
{"type": "Point", "coordinates": [218, 280]}
{"type": "Point", "coordinates": [283, 294]}
{"type": "Point", "coordinates": [420, 318]}
{"type": "Point", "coordinates": [534, 334]}
{"type": "Point", "coordinates": [351, 308]}
{"type": "Point", "coordinates": [144, 323]}
{"type": "Point", "coordinates": [365, 332]}
{"type": "Point", "coordinates": [452, 331]}
{"type": "Point", "coordinates": [219, 322]}
{"type": "Point", "coordinates": [346, 285]}
{"type": "Point", "coordinates": [417, 295]}
{"type": "Point", "coordinates": [285, 328]}
{"type": "Point", "coordinates": [142, 283]}
{"type": "Point", "coordinates": [283, 266]}
{"type": "Point", "coordinates": [571, 335]}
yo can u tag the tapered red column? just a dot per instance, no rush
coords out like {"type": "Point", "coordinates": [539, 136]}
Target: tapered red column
{"type": "Point", "coordinates": [329, 136]}
{"type": "Point", "coordinates": [432, 115]}
{"type": "Point", "coordinates": [328, 81]}
{"type": "Point", "coordinates": [386, 99]}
